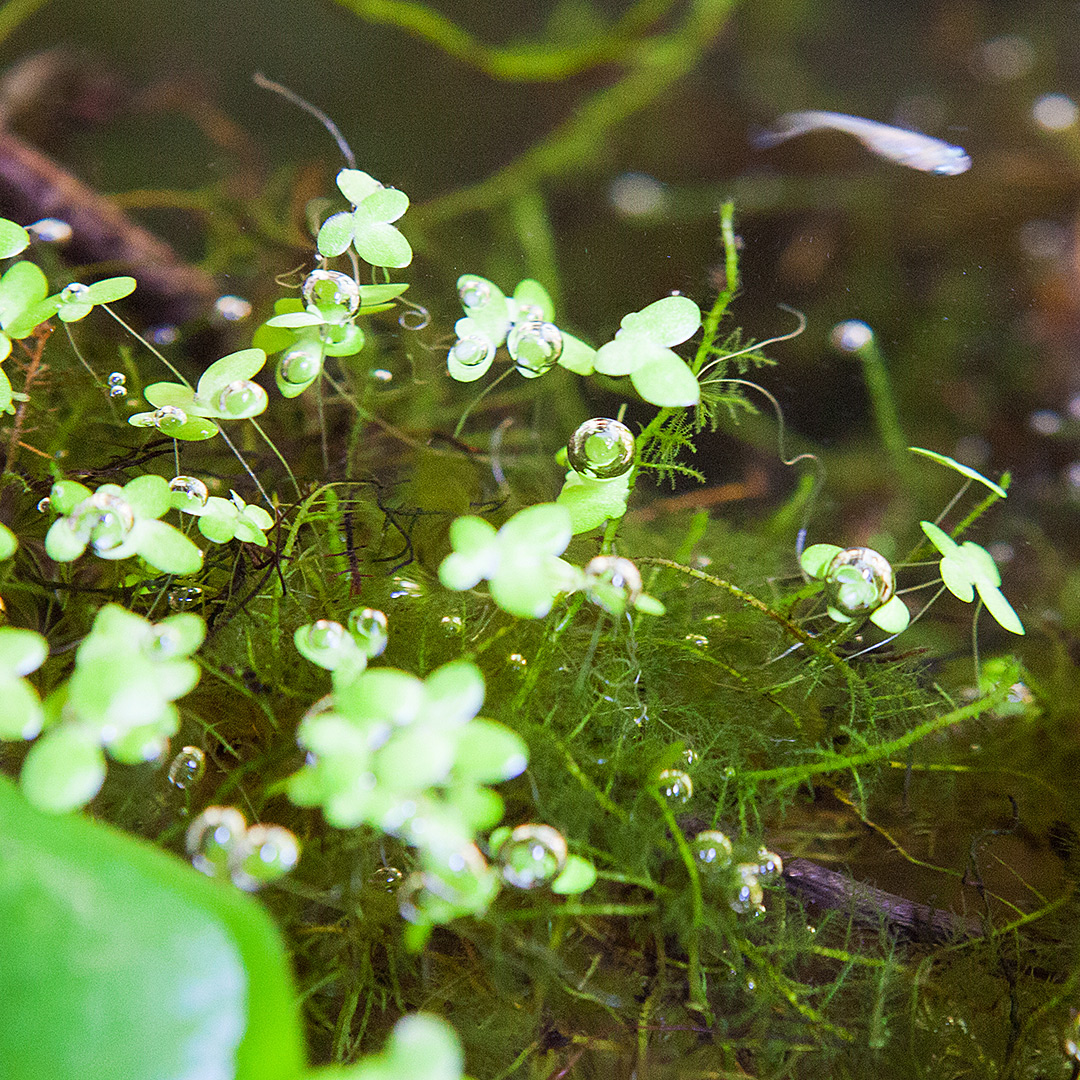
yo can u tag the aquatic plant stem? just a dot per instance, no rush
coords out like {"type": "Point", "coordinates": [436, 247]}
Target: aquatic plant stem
{"type": "Point", "coordinates": [277, 453]}
{"type": "Point", "coordinates": [139, 338]}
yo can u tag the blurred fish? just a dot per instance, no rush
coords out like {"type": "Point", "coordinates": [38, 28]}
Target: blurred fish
{"type": "Point", "coordinates": [910, 148]}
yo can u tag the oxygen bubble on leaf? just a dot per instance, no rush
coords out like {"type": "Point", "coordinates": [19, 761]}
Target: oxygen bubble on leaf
{"type": "Point", "coordinates": [770, 865]}
{"type": "Point", "coordinates": [241, 397]}
{"type": "Point", "coordinates": [168, 418]}
{"type": "Point", "coordinates": [860, 580]}
{"type": "Point", "coordinates": [330, 287]}
{"type": "Point", "coordinates": [105, 519]}
{"type": "Point", "coordinates": [187, 768]}
{"type": "Point", "coordinates": [369, 629]}
{"type": "Point", "coordinates": [675, 785]}
{"type": "Point", "coordinates": [535, 346]}
{"type": "Point", "coordinates": [43, 505]}
{"type": "Point", "coordinates": [386, 878]}
{"type": "Point", "coordinates": [851, 336]}
{"type": "Point", "coordinates": [232, 308]}
{"type": "Point", "coordinates": [190, 489]}
{"type": "Point", "coordinates": [262, 855]}
{"type": "Point", "coordinates": [601, 449]}
{"type": "Point", "coordinates": [212, 836]}
{"type": "Point", "coordinates": [325, 635]}
{"type": "Point", "coordinates": [532, 855]}
{"type": "Point", "coordinates": [473, 292]}
{"type": "Point", "coordinates": [749, 895]}
{"type": "Point", "coordinates": [712, 850]}
{"type": "Point", "coordinates": [75, 293]}
{"type": "Point", "coordinates": [472, 350]}
{"type": "Point", "coordinates": [184, 598]}
{"type": "Point", "coordinates": [615, 573]}
{"type": "Point", "coordinates": [300, 366]}
{"type": "Point", "coordinates": [117, 378]}
{"type": "Point", "coordinates": [382, 375]}
{"type": "Point", "coordinates": [452, 625]}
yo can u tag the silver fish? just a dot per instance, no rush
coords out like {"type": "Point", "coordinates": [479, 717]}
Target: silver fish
{"type": "Point", "coordinates": [910, 148]}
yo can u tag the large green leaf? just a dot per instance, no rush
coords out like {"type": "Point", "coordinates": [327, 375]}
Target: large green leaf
{"type": "Point", "coordinates": [119, 961]}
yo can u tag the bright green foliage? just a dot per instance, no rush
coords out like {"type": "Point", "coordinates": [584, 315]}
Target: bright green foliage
{"type": "Point", "coordinates": [9, 543]}
{"type": "Point", "coordinates": [118, 522]}
{"type": "Point", "coordinates": [121, 962]}
{"type": "Point", "coordinates": [21, 652]}
{"type": "Point", "coordinates": [592, 502]}
{"type": "Point", "coordinates": [13, 239]}
{"type": "Point", "coordinates": [963, 470]}
{"type": "Point", "coordinates": [969, 567]}
{"type": "Point", "coordinates": [225, 391]}
{"type": "Point", "coordinates": [368, 225]}
{"type": "Point", "coordinates": [120, 697]}
{"type": "Point", "coordinates": [332, 646]}
{"type": "Point", "coordinates": [409, 757]}
{"type": "Point", "coordinates": [421, 1047]}
{"type": "Point", "coordinates": [76, 301]}
{"type": "Point", "coordinates": [22, 287]}
{"type": "Point", "coordinates": [520, 561]}
{"type": "Point", "coordinates": [642, 350]}
{"type": "Point", "coordinates": [222, 520]}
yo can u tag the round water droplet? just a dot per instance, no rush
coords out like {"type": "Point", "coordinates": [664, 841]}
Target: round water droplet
{"type": "Point", "coordinates": [601, 449]}
{"type": "Point", "coordinates": [325, 635]}
{"type": "Point", "coordinates": [749, 896]}
{"type": "Point", "coordinates": [301, 365]}
{"type": "Point", "coordinates": [192, 488]}
{"type": "Point", "coordinates": [859, 581]}
{"type": "Point", "coordinates": [452, 625]}
{"type": "Point", "coordinates": [117, 391]}
{"type": "Point", "coordinates": [117, 378]}
{"type": "Point", "coordinates": [382, 375]}
{"type": "Point", "coordinates": [473, 292]}
{"type": "Point", "coordinates": [232, 308]}
{"type": "Point", "coordinates": [263, 854]}
{"type": "Point", "coordinates": [472, 350]}
{"type": "Point", "coordinates": [769, 865]}
{"type": "Point", "coordinates": [851, 336]}
{"type": "Point", "coordinates": [325, 290]}
{"type": "Point", "coordinates": [675, 785]}
{"type": "Point", "coordinates": [75, 293]}
{"type": "Point", "coordinates": [387, 878]}
{"type": "Point", "coordinates": [535, 346]}
{"type": "Point", "coordinates": [404, 589]}
{"type": "Point", "coordinates": [212, 836]}
{"type": "Point", "coordinates": [532, 855]}
{"type": "Point", "coordinates": [612, 574]}
{"type": "Point", "coordinates": [369, 630]}
{"type": "Point", "coordinates": [241, 397]}
{"type": "Point", "coordinates": [105, 519]}
{"type": "Point", "coordinates": [168, 418]}
{"type": "Point", "coordinates": [183, 598]}
{"type": "Point", "coordinates": [187, 768]}
{"type": "Point", "coordinates": [43, 505]}
{"type": "Point", "coordinates": [50, 230]}
{"type": "Point", "coordinates": [712, 851]}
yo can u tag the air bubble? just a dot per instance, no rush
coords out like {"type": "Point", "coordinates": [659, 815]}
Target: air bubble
{"type": "Point", "coordinates": [601, 449]}
{"type": "Point", "coordinates": [535, 346]}
{"type": "Point", "coordinates": [164, 334]}
{"type": "Point", "coordinates": [452, 624]}
{"type": "Point", "coordinates": [75, 293]}
{"type": "Point", "coordinates": [116, 378]}
{"type": "Point", "coordinates": [212, 837]}
{"type": "Point", "coordinates": [851, 336]}
{"type": "Point", "coordinates": [242, 397]}
{"type": "Point", "coordinates": [105, 519]}
{"type": "Point", "coordinates": [332, 288]}
{"type": "Point", "coordinates": [712, 850]}
{"type": "Point", "coordinates": [168, 418]}
{"type": "Point", "coordinates": [405, 589]}
{"type": "Point", "coordinates": [51, 230]}
{"type": "Point", "coordinates": [300, 365]}
{"type": "Point", "coordinates": [749, 895]}
{"type": "Point", "coordinates": [262, 855]}
{"type": "Point", "coordinates": [859, 581]}
{"type": "Point", "coordinates": [382, 375]}
{"type": "Point", "coordinates": [232, 308]}
{"type": "Point", "coordinates": [43, 505]}
{"type": "Point", "coordinates": [387, 878]}
{"type": "Point", "coordinates": [675, 785]}
{"type": "Point", "coordinates": [612, 582]}
{"type": "Point", "coordinates": [770, 865]}
{"type": "Point", "coordinates": [369, 630]}
{"type": "Point", "coordinates": [517, 663]}
{"type": "Point", "coordinates": [187, 768]}
{"type": "Point", "coordinates": [532, 855]}
{"type": "Point", "coordinates": [472, 350]}
{"type": "Point", "coordinates": [473, 292]}
{"type": "Point", "coordinates": [117, 391]}
{"type": "Point", "coordinates": [325, 635]}
{"type": "Point", "coordinates": [183, 598]}
{"type": "Point", "coordinates": [191, 488]}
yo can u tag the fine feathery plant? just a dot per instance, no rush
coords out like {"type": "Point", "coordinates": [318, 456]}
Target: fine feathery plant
{"type": "Point", "coordinates": [592, 856]}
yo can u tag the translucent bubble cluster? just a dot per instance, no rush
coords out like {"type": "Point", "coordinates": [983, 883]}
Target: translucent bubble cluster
{"type": "Point", "coordinates": [601, 449]}
{"type": "Point", "coordinates": [221, 844]}
{"type": "Point", "coordinates": [117, 384]}
{"type": "Point", "coordinates": [712, 850]}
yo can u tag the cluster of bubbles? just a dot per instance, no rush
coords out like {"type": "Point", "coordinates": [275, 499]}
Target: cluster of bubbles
{"type": "Point", "coordinates": [366, 628]}
{"type": "Point", "coordinates": [601, 449]}
{"type": "Point", "coordinates": [859, 581]}
{"type": "Point", "coordinates": [117, 384]}
{"type": "Point", "coordinates": [221, 844]}
{"type": "Point", "coordinates": [742, 881]}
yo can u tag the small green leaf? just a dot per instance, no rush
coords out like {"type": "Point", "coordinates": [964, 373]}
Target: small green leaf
{"type": "Point", "coordinates": [335, 235]}
{"type": "Point", "coordinates": [110, 289]}
{"type": "Point", "coordinates": [1001, 609]}
{"type": "Point", "coordinates": [669, 321]}
{"type": "Point", "coordinates": [21, 651]}
{"type": "Point", "coordinates": [382, 244]}
{"type": "Point", "coordinates": [488, 753]}
{"type": "Point", "coordinates": [22, 716]}
{"type": "Point", "coordinates": [13, 239]}
{"type": "Point", "coordinates": [892, 617]}
{"type": "Point", "coordinates": [6, 395]}
{"type": "Point", "coordinates": [577, 875]}
{"type": "Point", "coordinates": [542, 528]}
{"type": "Point", "coordinates": [816, 558]}
{"type": "Point", "coordinates": [666, 381]}
{"type": "Point", "coordinates": [356, 185]}
{"type": "Point", "coordinates": [236, 367]}
{"type": "Point", "coordinates": [64, 769]}
{"type": "Point", "coordinates": [22, 286]}
{"type": "Point", "coordinates": [9, 543]}
{"type": "Point", "coordinates": [592, 502]}
{"type": "Point", "coordinates": [576, 356]}
{"type": "Point", "coordinates": [627, 353]}
{"type": "Point", "coordinates": [63, 542]}
{"type": "Point", "coordinates": [963, 470]}
{"type": "Point", "coordinates": [168, 549]}
{"type": "Point", "coordinates": [384, 204]}
{"type": "Point", "coordinates": [148, 496]}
